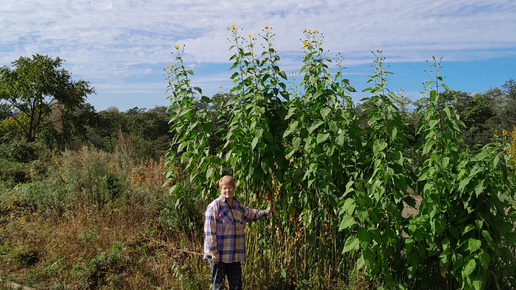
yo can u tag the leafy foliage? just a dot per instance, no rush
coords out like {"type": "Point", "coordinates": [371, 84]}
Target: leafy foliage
{"type": "Point", "coordinates": [342, 180]}
{"type": "Point", "coordinates": [35, 86]}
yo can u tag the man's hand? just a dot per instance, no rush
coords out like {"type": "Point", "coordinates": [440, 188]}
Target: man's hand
{"type": "Point", "coordinates": [270, 208]}
{"type": "Point", "coordinates": [215, 259]}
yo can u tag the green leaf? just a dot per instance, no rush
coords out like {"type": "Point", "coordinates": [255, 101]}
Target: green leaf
{"type": "Point", "coordinates": [495, 161]}
{"type": "Point", "coordinates": [484, 259]}
{"type": "Point", "coordinates": [379, 146]}
{"type": "Point", "coordinates": [204, 99]}
{"type": "Point", "coordinates": [321, 137]}
{"type": "Point", "coordinates": [254, 142]}
{"type": "Point", "coordinates": [468, 268]}
{"type": "Point", "coordinates": [467, 228]}
{"type": "Point", "coordinates": [283, 273]}
{"type": "Point", "coordinates": [478, 282]}
{"type": "Point", "coordinates": [351, 244]}
{"type": "Point", "coordinates": [393, 132]}
{"type": "Point", "coordinates": [409, 245]}
{"type": "Point", "coordinates": [325, 112]}
{"type": "Point", "coordinates": [432, 124]}
{"type": "Point", "coordinates": [340, 140]}
{"type": "Point", "coordinates": [511, 237]}
{"type": "Point", "coordinates": [346, 222]}
{"type": "Point", "coordinates": [291, 128]}
{"type": "Point", "coordinates": [479, 188]}
{"type": "Point", "coordinates": [463, 184]}
{"type": "Point", "coordinates": [315, 125]}
{"type": "Point", "coordinates": [473, 245]}
{"type": "Point", "coordinates": [364, 237]}
{"type": "Point", "coordinates": [361, 262]}
{"type": "Point", "coordinates": [296, 143]}
{"type": "Point", "coordinates": [348, 206]}
{"type": "Point", "coordinates": [397, 157]}
{"type": "Point", "coordinates": [292, 111]}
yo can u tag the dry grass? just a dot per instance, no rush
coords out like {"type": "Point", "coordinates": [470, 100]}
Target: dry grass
{"type": "Point", "coordinates": [74, 242]}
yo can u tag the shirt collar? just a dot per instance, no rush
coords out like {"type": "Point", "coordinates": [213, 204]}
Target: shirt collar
{"type": "Point", "coordinates": [224, 199]}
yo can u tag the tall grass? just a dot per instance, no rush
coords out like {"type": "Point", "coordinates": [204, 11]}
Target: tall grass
{"type": "Point", "coordinates": [98, 220]}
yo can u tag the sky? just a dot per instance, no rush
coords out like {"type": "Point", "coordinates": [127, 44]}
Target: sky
{"type": "Point", "coordinates": [122, 46]}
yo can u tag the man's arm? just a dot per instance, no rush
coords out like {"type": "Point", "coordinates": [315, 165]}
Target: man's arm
{"type": "Point", "coordinates": [210, 232]}
{"type": "Point", "coordinates": [252, 215]}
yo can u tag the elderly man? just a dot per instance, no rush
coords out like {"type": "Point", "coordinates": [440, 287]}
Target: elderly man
{"type": "Point", "coordinates": [224, 234]}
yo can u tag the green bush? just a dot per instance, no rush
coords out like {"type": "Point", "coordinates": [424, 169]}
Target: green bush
{"type": "Point", "coordinates": [106, 267]}
{"type": "Point", "coordinates": [13, 172]}
{"type": "Point", "coordinates": [20, 151]}
{"type": "Point", "coordinates": [183, 214]}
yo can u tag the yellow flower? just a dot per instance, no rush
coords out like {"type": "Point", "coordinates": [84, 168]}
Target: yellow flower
{"type": "Point", "coordinates": [504, 132]}
{"type": "Point", "coordinates": [168, 66]}
{"type": "Point", "coordinates": [250, 35]}
{"type": "Point", "coordinates": [176, 47]}
{"type": "Point", "coordinates": [314, 31]}
{"type": "Point", "coordinates": [220, 87]}
{"type": "Point", "coordinates": [252, 53]}
{"type": "Point", "coordinates": [264, 59]}
{"type": "Point", "coordinates": [228, 28]}
{"type": "Point", "coordinates": [233, 27]}
{"type": "Point", "coordinates": [304, 30]}
{"type": "Point", "coordinates": [267, 27]}
{"type": "Point", "coordinates": [305, 43]}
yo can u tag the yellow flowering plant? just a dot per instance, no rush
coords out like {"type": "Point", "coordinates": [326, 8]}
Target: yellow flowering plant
{"type": "Point", "coordinates": [343, 180]}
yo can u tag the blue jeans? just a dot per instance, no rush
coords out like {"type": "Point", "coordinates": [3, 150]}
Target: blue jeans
{"type": "Point", "coordinates": [219, 272]}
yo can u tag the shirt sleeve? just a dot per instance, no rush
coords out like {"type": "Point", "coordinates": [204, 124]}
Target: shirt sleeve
{"type": "Point", "coordinates": [252, 215]}
{"type": "Point", "coordinates": [210, 229]}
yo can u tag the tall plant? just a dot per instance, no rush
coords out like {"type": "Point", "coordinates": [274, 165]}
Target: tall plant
{"type": "Point", "coordinates": [373, 214]}
{"type": "Point", "coordinates": [465, 227]}
{"type": "Point", "coordinates": [340, 183]}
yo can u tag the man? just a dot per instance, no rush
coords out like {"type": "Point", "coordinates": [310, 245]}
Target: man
{"type": "Point", "coordinates": [224, 234]}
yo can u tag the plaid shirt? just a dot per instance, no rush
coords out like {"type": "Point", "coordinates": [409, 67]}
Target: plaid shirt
{"type": "Point", "coordinates": [224, 229]}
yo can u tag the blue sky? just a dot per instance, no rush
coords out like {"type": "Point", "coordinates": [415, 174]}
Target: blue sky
{"type": "Point", "coordinates": [122, 46]}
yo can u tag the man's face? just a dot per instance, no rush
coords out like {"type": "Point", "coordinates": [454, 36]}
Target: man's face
{"type": "Point", "coordinates": [227, 191]}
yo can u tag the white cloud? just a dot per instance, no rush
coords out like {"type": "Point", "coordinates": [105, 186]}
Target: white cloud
{"type": "Point", "coordinates": [118, 40]}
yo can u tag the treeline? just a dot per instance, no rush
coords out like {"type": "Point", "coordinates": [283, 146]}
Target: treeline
{"type": "Point", "coordinates": [147, 129]}
{"type": "Point", "coordinates": [484, 114]}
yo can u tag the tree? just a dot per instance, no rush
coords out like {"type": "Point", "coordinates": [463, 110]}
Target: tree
{"type": "Point", "coordinates": [34, 85]}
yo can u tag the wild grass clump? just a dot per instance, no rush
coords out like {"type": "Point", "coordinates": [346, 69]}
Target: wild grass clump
{"type": "Point", "coordinates": [99, 220]}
